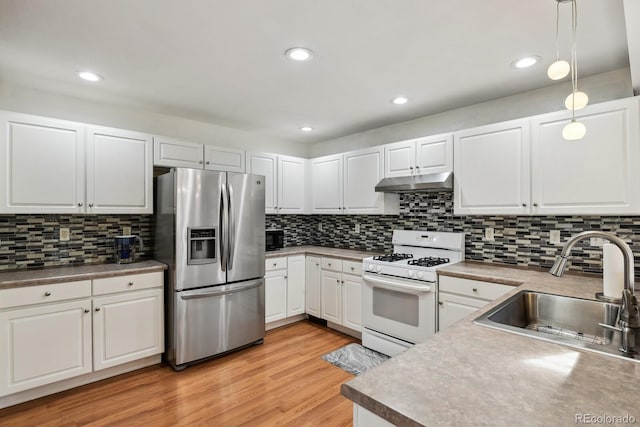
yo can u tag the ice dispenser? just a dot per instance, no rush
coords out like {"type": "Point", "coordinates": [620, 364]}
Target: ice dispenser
{"type": "Point", "coordinates": [202, 245]}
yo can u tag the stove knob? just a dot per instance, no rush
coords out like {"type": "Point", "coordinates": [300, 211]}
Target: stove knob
{"type": "Point", "coordinates": [378, 269]}
{"type": "Point", "coordinates": [420, 274]}
{"type": "Point", "coordinates": [371, 267]}
{"type": "Point", "coordinates": [410, 273]}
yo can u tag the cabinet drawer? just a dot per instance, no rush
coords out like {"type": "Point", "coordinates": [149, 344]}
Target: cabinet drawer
{"type": "Point", "coordinates": [275, 263]}
{"type": "Point", "coordinates": [332, 264]}
{"type": "Point", "coordinates": [473, 288]}
{"type": "Point", "coordinates": [16, 297]}
{"type": "Point", "coordinates": [351, 267]}
{"type": "Point", "coordinates": [131, 282]}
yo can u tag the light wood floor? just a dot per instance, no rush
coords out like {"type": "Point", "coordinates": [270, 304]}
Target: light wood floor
{"type": "Point", "coordinates": [282, 382]}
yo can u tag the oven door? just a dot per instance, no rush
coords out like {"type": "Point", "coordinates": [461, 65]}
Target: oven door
{"type": "Point", "coordinates": [400, 308]}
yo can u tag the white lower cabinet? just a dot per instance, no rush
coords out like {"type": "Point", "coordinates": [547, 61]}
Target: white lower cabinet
{"type": "Point", "coordinates": [48, 333]}
{"type": "Point", "coordinates": [341, 286]}
{"type": "Point", "coordinates": [313, 277]}
{"type": "Point", "coordinates": [365, 418]}
{"type": "Point", "coordinates": [458, 298]}
{"type": "Point", "coordinates": [284, 287]}
{"type": "Point", "coordinates": [331, 298]}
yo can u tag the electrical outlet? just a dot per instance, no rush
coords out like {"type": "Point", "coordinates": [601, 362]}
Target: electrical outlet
{"type": "Point", "coordinates": [126, 231]}
{"type": "Point", "coordinates": [320, 227]}
{"type": "Point", "coordinates": [357, 228]}
{"type": "Point", "coordinates": [488, 234]}
{"type": "Point", "coordinates": [554, 236]}
{"type": "Point", "coordinates": [64, 234]}
{"type": "Point", "coordinates": [597, 241]}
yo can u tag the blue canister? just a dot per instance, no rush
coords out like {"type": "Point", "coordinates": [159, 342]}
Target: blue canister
{"type": "Point", "coordinates": [125, 248]}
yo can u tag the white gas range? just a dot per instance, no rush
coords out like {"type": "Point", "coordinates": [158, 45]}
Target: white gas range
{"type": "Point", "coordinates": [399, 296]}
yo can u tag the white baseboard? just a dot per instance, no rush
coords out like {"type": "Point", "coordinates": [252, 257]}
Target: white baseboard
{"type": "Point", "coordinates": [284, 322]}
{"type": "Point", "coordinates": [45, 390]}
{"type": "Point", "coordinates": [345, 330]}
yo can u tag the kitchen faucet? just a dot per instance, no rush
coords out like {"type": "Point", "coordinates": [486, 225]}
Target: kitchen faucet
{"type": "Point", "coordinates": [629, 314]}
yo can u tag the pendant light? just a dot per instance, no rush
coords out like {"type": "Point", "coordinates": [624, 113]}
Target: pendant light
{"type": "Point", "coordinates": [559, 69]}
{"type": "Point", "coordinates": [576, 100]}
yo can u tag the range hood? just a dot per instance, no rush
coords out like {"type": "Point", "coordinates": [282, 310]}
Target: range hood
{"type": "Point", "coordinates": [417, 183]}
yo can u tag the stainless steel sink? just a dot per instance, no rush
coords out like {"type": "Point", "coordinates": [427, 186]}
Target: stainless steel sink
{"type": "Point", "coordinates": [563, 320]}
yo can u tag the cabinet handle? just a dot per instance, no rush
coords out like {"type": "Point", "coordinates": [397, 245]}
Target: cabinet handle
{"type": "Point", "coordinates": [90, 205]}
{"type": "Point", "coordinates": [440, 303]}
{"type": "Point", "coordinates": [130, 283]}
{"type": "Point", "coordinates": [207, 162]}
{"type": "Point", "coordinates": [524, 205]}
{"type": "Point", "coordinates": [338, 281]}
{"type": "Point", "coordinates": [317, 264]}
{"type": "Point", "coordinates": [47, 294]}
{"type": "Point", "coordinates": [80, 205]}
{"type": "Point", "coordinates": [535, 204]}
{"type": "Point", "coordinates": [97, 308]}
{"type": "Point", "coordinates": [285, 277]}
{"type": "Point", "coordinates": [342, 281]}
{"type": "Point", "coordinates": [86, 310]}
{"type": "Point", "coordinates": [275, 264]}
{"type": "Point", "coordinates": [417, 168]}
{"type": "Point", "coordinates": [352, 269]}
{"type": "Point", "coordinates": [475, 289]}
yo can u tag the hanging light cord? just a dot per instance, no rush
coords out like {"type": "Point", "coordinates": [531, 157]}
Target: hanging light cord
{"type": "Point", "coordinates": [574, 58]}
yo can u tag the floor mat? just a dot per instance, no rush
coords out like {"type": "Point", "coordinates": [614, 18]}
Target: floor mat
{"type": "Point", "coordinates": [355, 358]}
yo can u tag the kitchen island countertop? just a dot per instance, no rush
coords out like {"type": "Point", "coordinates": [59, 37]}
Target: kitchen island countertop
{"type": "Point", "coordinates": [472, 375]}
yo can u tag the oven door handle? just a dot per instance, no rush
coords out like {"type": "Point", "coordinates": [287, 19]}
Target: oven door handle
{"type": "Point", "coordinates": [396, 285]}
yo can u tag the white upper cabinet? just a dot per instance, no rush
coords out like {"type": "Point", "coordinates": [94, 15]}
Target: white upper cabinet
{"type": "Point", "coordinates": [327, 178]}
{"type": "Point", "coordinates": [43, 165]}
{"type": "Point", "coordinates": [345, 183]}
{"type": "Point", "coordinates": [169, 152]}
{"type": "Point", "coordinates": [291, 184]}
{"type": "Point", "coordinates": [55, 166]}
{"type": "Point", "coordinates": [285, 181]}
{"type": "Point", "coordinates": [223, 159]}
{"type": "Point", "coordinates": [430, 154]}
{"type": "Point", "coordinates": [595, 175]}
{"type": "Point", "coordinates": [119, 171]}
{"type": "Point", "coordinates": [492, 169]}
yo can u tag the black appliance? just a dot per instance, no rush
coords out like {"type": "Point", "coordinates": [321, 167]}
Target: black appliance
{"type": "Point", "coordinates": [274, 240]}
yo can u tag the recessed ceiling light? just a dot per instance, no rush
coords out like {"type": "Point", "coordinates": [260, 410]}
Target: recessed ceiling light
{"type": "Point", "coordinates": [299, 54]}
{"type": "Point", "coordinates": [399, 100]}
{"type": "Point", "coordinates": [306, 129]}
{"type": "Point", "coordinates": [90, 76]}
{"type": "Point", "coordinates": [525, 62]}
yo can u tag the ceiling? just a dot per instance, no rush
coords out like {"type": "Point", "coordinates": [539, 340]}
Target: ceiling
{"type": "Point", "coordinates": [223, 61]}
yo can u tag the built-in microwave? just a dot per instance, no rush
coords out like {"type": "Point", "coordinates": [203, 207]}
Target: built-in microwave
{"type": "Point", "coordinates": [274, 240]}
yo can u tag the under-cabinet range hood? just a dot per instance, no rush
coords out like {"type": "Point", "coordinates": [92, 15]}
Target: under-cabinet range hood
{"type": "Point", "coordinates": [417, 183]}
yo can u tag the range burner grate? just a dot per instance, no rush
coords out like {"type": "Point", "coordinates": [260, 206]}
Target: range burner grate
{"type": "Point", "coordinates": [392, 257]}
{"type": "Point", "coordinates": [428, 261]}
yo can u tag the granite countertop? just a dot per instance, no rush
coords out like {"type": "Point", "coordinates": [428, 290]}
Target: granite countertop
{"type": "Point", "coordinates": [18, 278]}
{"type": "Point", "coordinates": [347, 254]}
{"type": "Point", "coordinates": [473, 375]}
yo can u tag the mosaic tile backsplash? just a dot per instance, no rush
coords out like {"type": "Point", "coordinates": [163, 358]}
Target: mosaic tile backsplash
{"type": "Point", "coordinates": [31, 241]}
{"type": "Point", "coordinates": [519, 240]}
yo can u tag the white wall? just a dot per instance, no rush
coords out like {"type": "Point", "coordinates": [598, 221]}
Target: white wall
{"type": "Point", "coordinates": [33, 101]}
{"type": "Point", "coordinates": [600, 88]}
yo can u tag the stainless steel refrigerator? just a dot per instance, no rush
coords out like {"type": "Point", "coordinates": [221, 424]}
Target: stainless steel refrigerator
{"type": "Point", "coordinates": [210, 232]}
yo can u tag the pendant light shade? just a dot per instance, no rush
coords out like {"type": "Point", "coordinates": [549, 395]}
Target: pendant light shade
{"type": "Point", "coordinates": [574, 131]}
{"type": "Point", "coordinates": [558, 70]}
{"type": "Point", "coordinates": [576, 101]}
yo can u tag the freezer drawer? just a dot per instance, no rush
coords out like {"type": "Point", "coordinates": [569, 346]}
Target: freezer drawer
{"type": "Point", "coordinates": [216, 319]}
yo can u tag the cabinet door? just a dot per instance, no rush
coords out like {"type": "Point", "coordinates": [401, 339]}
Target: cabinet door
{"type": "Point", "coordinates": [312, 286]}
{"type": "Point", "coordinates": [291, 184]}
{"type": "Point", "coordinates": [44, 344]}
{"type": "Point", "coordinates": [399, 159]}
{"type": "Point", "coordinates": [597, 175]}
{"type": "Point", "coordinates": [265, 164]}
{"type": "Point", "coordinates": [491, 169]}
{"type": "Point", "coordinates": [275, 295]}
{"type": "Point", "coordinates": [42, 164]}
{"type": "Point", "coordinates": [363, 169]}
{"type": "Point", "coordinates": [119, 171]}
{"type": "Point", "coordinates": [295, 285]}
{"type": "Point", "coordinates": [170, 152]}
{"type": "Point", "coordinates": [327, 184]}
{"type": "Point", "coordinates": [127, 327]}
{"type": "Point", "coordinates": [331, 298]}
{"type": "Point", "coordinates": [223, 159]}
{"type": "Point", "coordinates": [434, 154]}
{"type": "Point", "coordinates": [352, 301]}
{"type": "Point", "coordinates": [452, 308]}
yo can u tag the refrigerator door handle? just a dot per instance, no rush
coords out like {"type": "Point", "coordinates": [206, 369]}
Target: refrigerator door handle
{"type": "Point", "coordinates": [232, 228]}
{"type": "Point", "coordinates": [224, 218]}
{"type": "Point", "coordinates": [224, 291]}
